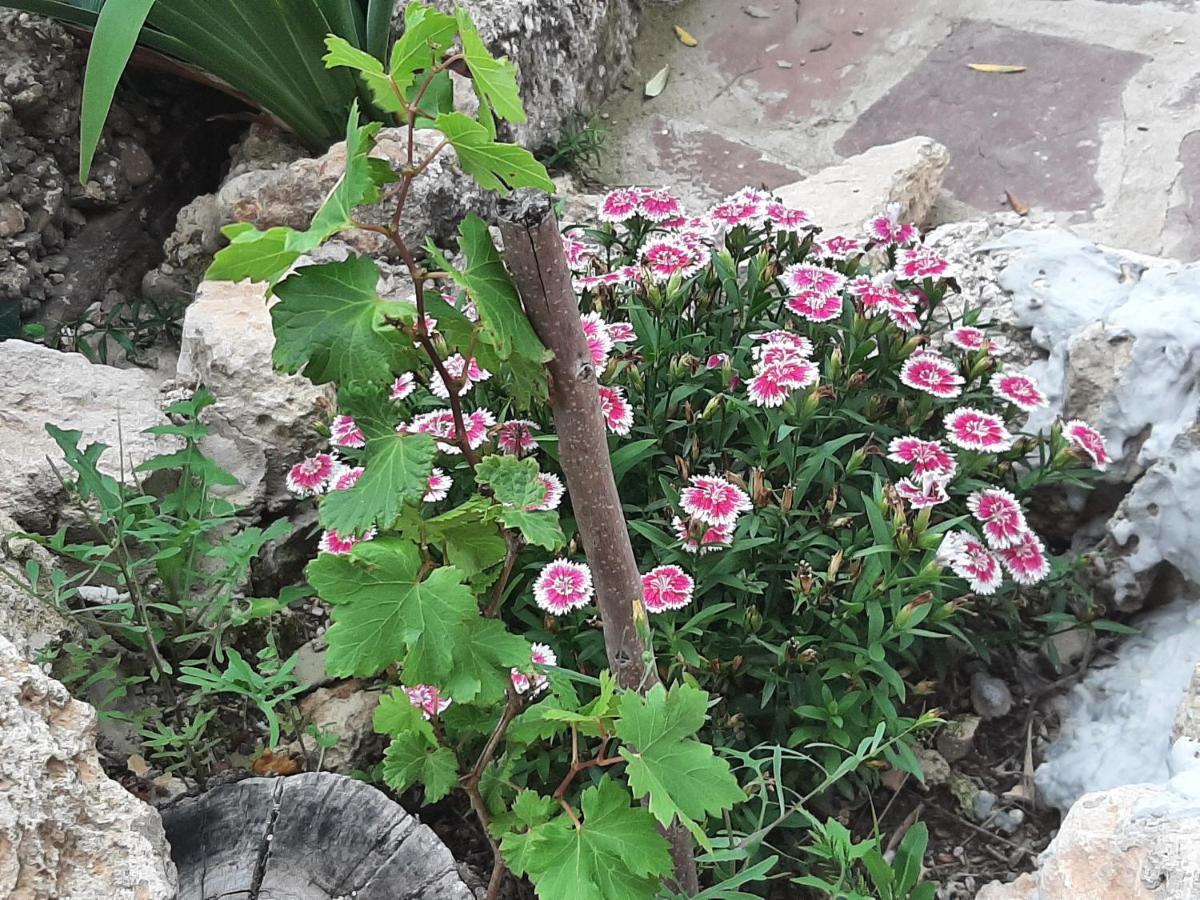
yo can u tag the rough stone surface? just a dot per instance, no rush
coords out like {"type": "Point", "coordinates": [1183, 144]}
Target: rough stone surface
{"type": "Point", "coordinates": [27, 622]}
{"type": "Point", "coordinates": [345, 710]}
{"type": "Point", "coordinates": [842, 197]}
{"type": "Point", "coordinates": [569, 55]}
{"type": "Point", "coordinates": [1138, 842]}
{"type": "Point", "coordinates": [990, 696]}
{"type": "Point", "coordinates": [1187, 719]}
{"type": "Point", "coordinates": [263, 420]}
{"type": "Point", "coordinates": [40, 385]}
{"type": "Point", "coordinates": [66, 831]}
{"type": "Point", "coordinates": [957, 737]}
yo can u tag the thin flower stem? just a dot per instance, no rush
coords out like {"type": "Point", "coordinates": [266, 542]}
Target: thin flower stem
{"type": "Point", "coordinates": [470, 784]}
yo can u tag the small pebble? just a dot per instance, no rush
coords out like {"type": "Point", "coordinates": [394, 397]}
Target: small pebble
{"type": "Point", "coordinates": [783, 64]}
{"type": "Point", "coordinates": [990, 696]}
{"type": "Point", "coordinates": [984, 803]}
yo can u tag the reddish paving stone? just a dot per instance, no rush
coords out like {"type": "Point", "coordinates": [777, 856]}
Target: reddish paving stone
{"type": "Point", "coordinates": [1035, 133]}
{"type": "Point", "coordinates": [817, 38]}
{"type": "Point", "coordinates": [1185, 218]}
{"type": "Point", "coordinates": [715, 165]}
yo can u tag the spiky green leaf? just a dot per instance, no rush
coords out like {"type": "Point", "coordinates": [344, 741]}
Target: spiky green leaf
{"type": "Point", "coordinates": [497, 167]}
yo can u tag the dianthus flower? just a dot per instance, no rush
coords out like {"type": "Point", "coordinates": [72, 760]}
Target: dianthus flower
{"type": "Point", "coordinates": [742, 208]}
{"type": "Point", "coordinates": [701, 537]}
{"type": "Point", "coordinates": [340, 545]}
{"type": "Point", "coordinates": [925, 457]}
{"type": "Point", "coordinates": [562, 586]}
{"type": "Point", "coordinates": [967, 337]}
{"type": "Point", "coordinates": [425, 697]}
{"type": "Point", "coordinates": [666, 257]}
{"type": "Point", "coordinates": [345, 477]}
{"type": "Point", "coordinates": [771, 341]}
{"type": "Point", "coordinates": [932, 373]}
{"type": "Point", "coordinates": [620, 332]}
{"type": "Point", "coordinates": [973, 429]}
{"type": "Point", "coordinates": [438, 486]}
{"type": "Point", "coordinates": [786, 218]}
{"type": "Point", "coordinates": [599, 341]}
{"type": "Point", "coordinates": [403, 386]}
{"type": "Point", "coordinates": [920, 262]}
{"type": "Point", "coordinates": [1089, 440]}
{"type": "Point", "coordinates": [804, 277]}
{"type": "Point", "coordinates": [713, 499]}
{"type": "Point", "coordinates": [815, 306]}
{"type": "Point", "coordinates": [310, 476]}
{"type": "Point", "coordinates": [618, 412]}
{"type": "Point", "coordinates": [888, 229]}
{"type": "Point", "coordinates": [540, 655]}
{"type": "Point", "coordinates": [666, 587]}
{"type": "Point", "coordinates": [1026, 560]}
{"type": "Point", "coordinates": [620, 205]}
{"type": "Point", "coordinates": [468, 373]}
{"type": "Point", "coordinates": [1000, 516]}
{"type": "Point", "coordinates": [515, 437]}
{"type": "Point", "coordinates": [971, 560]}
{"type": "Point", "coordinates": [774, 381]}
{"type": "Point", "coordinates": [657, 206]}
{"type": "Point", "coordinates": [344, 432]}
{"type": "Point", "coordinates": [716, 361]}
{"type": "Point", "coordinates": [1019, 390]}
{"type": "Point", "coordinates": [578, 252]}
{"type": "Point", "coordinates": [923, 493]}
{"type": "Point", "coordinates": [837, 247]}
{"type": "Point", "coordinates": [554, 493]}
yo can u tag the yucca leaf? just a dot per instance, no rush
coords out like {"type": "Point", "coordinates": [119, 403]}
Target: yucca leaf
{"type": "Point", "coordinates": [378, 27]}
{"type": "Point", "coordinates": [116, 34]}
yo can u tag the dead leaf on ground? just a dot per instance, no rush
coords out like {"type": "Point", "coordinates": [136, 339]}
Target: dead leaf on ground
{"type": "Point", "coordinates": [996, 68]}
{"type": "Point", "coordinates": [137, 764]}
{"type": "Point", "coordinates": [1015, 202]}
{"type": "Point", "coordinates": [273, 763]}
{"type": "Point", "coordinates": [685, 37]}
{"type": "Point", "coordinates": [655, 85]}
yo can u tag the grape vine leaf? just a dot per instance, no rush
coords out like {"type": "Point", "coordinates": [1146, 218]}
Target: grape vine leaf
{"type": "Point", "coordinates": [383, 611]}
{"type": "Point", "coordinates": [497, 167]}
{"type": "Point", "coordinates": [267, 255]}
{"type": "Point", "coordinates": [331, 323]}
{"type": "Point", "coordinates": [539, 528]}
{"type": "Point", "coordinates": [396, 471]}
{"type": "Point", "coordinates": [469, 536]}
{"type": "Point", "coordinates": [413, 755]}
{"type": "Point", "coordinates": [615, 852]}
{"type": "Point", "coordinates": [495, 80]}
{"type": "Point", "coordinates": [514, 482]}
{"type": "Point", "coordinates": [483, 655]}
{"type": "Point", "coordinates": [369, 69]}
{"type": "Point", "coordinates": [681, 775]}
{"type": "Point", "coordinates": [427, 33]}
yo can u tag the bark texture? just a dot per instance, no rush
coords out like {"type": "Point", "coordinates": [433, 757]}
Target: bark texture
{"type": "Point", "coordinates": [533, 252]}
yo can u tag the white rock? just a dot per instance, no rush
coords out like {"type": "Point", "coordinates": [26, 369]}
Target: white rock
{"type": "Point", "coordinates": [842, 197]}
{"type": "Point", "coordinates": [27, 621]}
{"type": "Point", "coordinates": [66, 831]}
{"type": "Point", "coordinates": [40, 385]}
{"type": "Point", "coordinates": [345, 710]}
{"type": "Point", "coordinates": [1138, 842]}
{"type": "Point", "coordinates": [263, 420]}
{"type": "Point", "coordinates": [1187, 719]}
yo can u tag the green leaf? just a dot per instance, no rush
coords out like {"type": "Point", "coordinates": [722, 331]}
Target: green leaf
{"type": "Point", "coordinates": [495, 80]}
{"type": "Point", "coordinates": [497, 167]}
{"type": "Point", "coordinates": [117, 29]}
{"type": "Point", "coordinates": [514, 482]}
{"type": "Point", "coordinates": [383, 612]}
{"type": "Point", "coordinates": [615, 853]}
{"type": "Point", "coordinates": [369, 68]}
{"type": "Point", "coordinates": [396, 715]}
{"type": "Point", "coordinates": [331, 324]}
{"type": "Point", "coordinates": [411, 759]}
{"type": "Point", "coordinates": [539, 528]}
{"type": "Point", "coordinates": [471, 539]}
{"type": "Point", "coordinates": [681, 775]}
{"type": "Point", "coordinates": [427, 34]}
{"type": "Point", "coordinates": [396, 472]}
{"type": "Point", "coordinates": [488, 284]}
{"type": "Point", "coordinates": [90, 480]}
{"type": "Point", "coordinates": [484, 654]}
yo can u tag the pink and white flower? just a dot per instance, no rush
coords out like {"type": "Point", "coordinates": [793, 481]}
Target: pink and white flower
{"type": "Point", "coordinates": [515, 437]}
{"type": "Point", "coordinates": [620, 332]}
{"type": "Point", "coordinates": [927, 458]}
{"type": "Point", "coordinates": [716, 361]}
{"type": "Point", "coordinates": [973, 429]}
{"type": "Point", "coordinates": [467, 373]}
{"type": "Point", "coordinates": [1019, 390]}
{"type": "Point", "coordinates": [967, 337]}
{"type": "Point", "coordinates": [920, 262]}
{"type": "Point", "coordinates": [562, 586]}
{"type": "Point", "coordinates": [666, 587]}
{"type": "Point", "coordinates": [713, 499]}
{"type": "Point", "coordinates": [618, 412]}
{"type": "Point", "coordinates": [426, 698]}
{"type": "Point", "coordinates": [439, 423]}
{"type": "Point", "coordinates": [554, 493]}
{"type": "Point", "coordinates": [345, 477]}
{"type": "Point", "coordinates": [599, 341]}
{"type": "Point", "coordinates": [971, 560]}
{"type": "Point", "coordinates": [795, 344]}
{"type": "Point", "coordinates": [903, 313]}
{"type": "Point", "coordinates": [877, 294]}
{"type": "Point", "coordinates": [477, 425]}
{"type": "Point", "coordinates": [666, 257]}
{"type": "Point", "coordinates": [620, 205]}
{"type": "Point", "coordinates": [657, 206]}
{"type": "Point", "coordinates": [774, 382]}
{"type": "Point", "coordinates": [340, 545]}
{"type": "Point", "coordinates": [578, 253]}
{"type": "Point", "coordinates": [815, 306]}
{"type": "Point", "coordinates": [1000, 516]}
{"type": "Point", "coordinates": [540, 655]}
{"type": "Point", "coordinates": [786, 218]}
{"type": "Point", "coordinates": [438, 486]}
{"type": "Point", "coordinates": [344, 432]}
{"type": "Point", "coordinates": [1082, 435]}
{"type": "Point", "coordinates": [742, 208]}
{"type": "Point", "coordinates": [922, 493]}
{"type": "Point", "coordinates": [403, 386]}
{"type": "Point", "coordinates": [1026, 560]}
{"type": "Point", "coordinates": [932, 373]}
{"type": "Point", "coordinates": [887, 228]}
{"type": "Point", "coordinates": [838, 247]}
{"type": "Point", "coordinates": [701, 537]}
{"type": "Point", "coordinates": [310, 476]}
{"type": "Point", "coordinates": [804, 277]}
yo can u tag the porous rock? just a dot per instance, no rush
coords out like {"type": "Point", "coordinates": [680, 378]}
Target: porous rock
{"type": "Point", "coordinates": [841, 198]}
{"type": "Point", "coordinates": [1187, 719]}
{"type": "Point", "coordinates": [39, 385]}
{"type": "Point", "coordinates": [66, 831]}
{"type": "Point", "coordinates": [263, 420]}
{"type": "Point", "coordinates": [346, 711]}
{"type": "Point", "coordinates": [27, 621]}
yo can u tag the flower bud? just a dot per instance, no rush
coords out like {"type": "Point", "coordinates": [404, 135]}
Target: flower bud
{"type": "Point", "coordinates": [833, 365]}
{"type": "Point", "coordinates": [835, 565]}
{"type": "Point", "coordinates": [713, 406]}
{"type": "Point", "coordinates": [753, 619]}
{"type": "Point", "coordinates": [636, 380]}
{"type": "Point", "coordinates": [910, 346]}
{"type": "Point", "coordinates": [857, 458]}
{"type": "Point", "coordinates": [858, 381]}
{"type": "Point", "coordinates": [788, 499]}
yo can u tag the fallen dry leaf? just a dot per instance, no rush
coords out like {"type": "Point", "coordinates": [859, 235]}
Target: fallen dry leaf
{"type": "Point", "coordinates": [755, 12]}
{"type": "Point", "coordinates": [1015, 202]}
{"type": "Point", "coordinates": [137, 765]}
{"type": "Point", "coordinates": [272, 763]}
{"type": "Point", "coordinates": [655, 85]}
{"type": "Point", "coordinates": [685, 37]}
{"type": "Point", "coordinates": [995, 68]}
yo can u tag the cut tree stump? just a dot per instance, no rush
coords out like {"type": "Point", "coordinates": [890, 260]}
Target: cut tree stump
{"type": "Point", "coordinates": [316, 836]}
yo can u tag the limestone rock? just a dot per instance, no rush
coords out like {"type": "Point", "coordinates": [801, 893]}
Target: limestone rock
{"type": "Point", "coordinates": [27, 622]}
{"type": "Point", "coordinates": [842, 197]}
{"type": "Point", "coordinates": [569, 55]}
{"type": "Point", "coordinates": [345, 710]}
{"type": "Point", "coordinates": [263, 420]}
{"type": "Point", "coordinates": [957, 737]}
{"type": "Point", "coordinates": [1137, 842]}
{"type": "Point", "coordinates": [66, 831]}
{"type": "Point", "coordinates": [990, 696]}
{"type": "Point", "coordinates": [40, 385]}
{"type": "Point", "coordinates": [1187, 719]}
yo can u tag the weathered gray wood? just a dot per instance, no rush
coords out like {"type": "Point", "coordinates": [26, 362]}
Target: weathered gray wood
{"type": "Point", "coordinates": [315, 836]}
